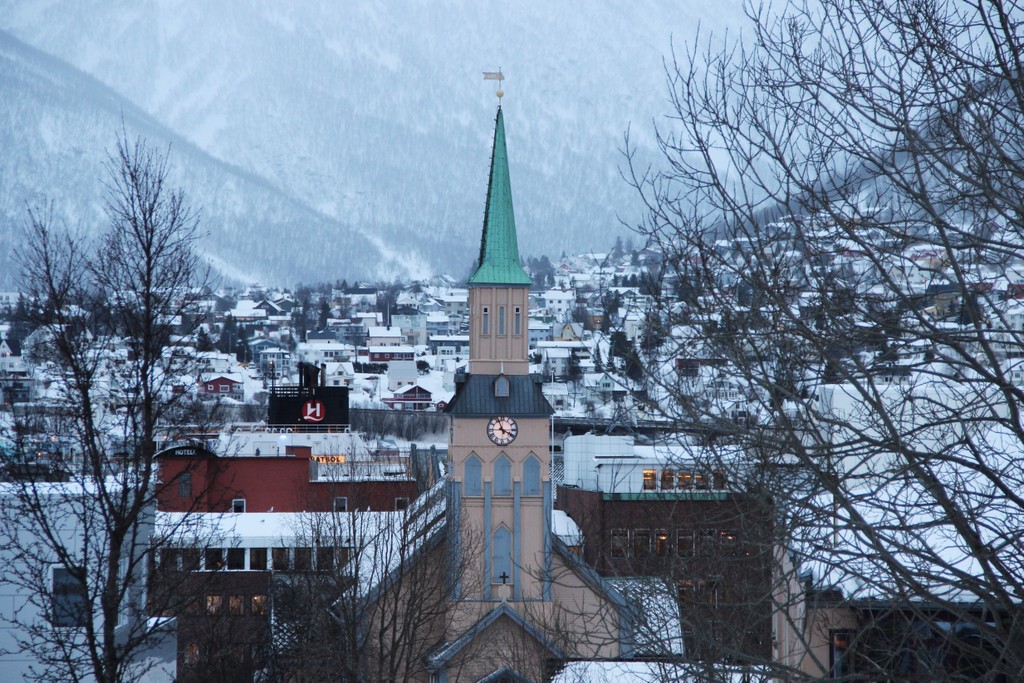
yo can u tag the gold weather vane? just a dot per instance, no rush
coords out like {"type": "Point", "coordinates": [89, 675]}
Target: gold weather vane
{"type": "Point", "coordinates": [496, 76]}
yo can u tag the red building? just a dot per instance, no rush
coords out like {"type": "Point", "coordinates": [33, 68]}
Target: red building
{"type": "Point", "coordinates": [411, 398]}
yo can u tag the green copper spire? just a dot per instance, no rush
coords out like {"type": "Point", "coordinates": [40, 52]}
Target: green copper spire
{"type": "Point", "coordinates": [499, 250]}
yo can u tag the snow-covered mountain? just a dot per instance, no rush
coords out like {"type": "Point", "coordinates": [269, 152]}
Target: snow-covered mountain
{"type": "Point", "coordinates": [371, 114]}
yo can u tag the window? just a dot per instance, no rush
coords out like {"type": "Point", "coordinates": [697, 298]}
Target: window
{"type": "Point", "coordinates": [238, 505]}
{"type": "Point", "coordinates": [401, 503]}
{"type": "Point", "coordinates": [650, 480]}
{"type": "Point", "coordinates": [192, 653]}
{"type": "Point", "coordinates": [185, 485]}
{"type": "Point", "coordinates": [235, 604]}
{"type": "Point", "coordinates": [517, 326]}
{"type": "Point", "coordinates": [214, 603]}
{"type": "Point", "coordinates": [169, 558]}
{"type": "Point", "coordinates": [503, 476]}
{"type": "Point", "coordinates": [190, 559]}
{"type": "Point", "coordinates": [69, 600]}
{"type": "Point", "coordinates": [531, 476]}
{"type": "Point", "coordinates": [214, 559]}
{"type": "Point", "coordinates": [280, 557]}
{"type": "Point", "coordinates": [340, 504]}
{"type": "Point", "coordinates": [225, 388]}
{"type": "Point", "coordinates": [706, 541]}
{"type": "Point", "coordinates": [721, 481]}
{"type": "Point", "coordinates": [211, 387]}
{"type": "Point", "coordinates": [259, 604]}
{"type": "Point", "coordinates": [839, 654]}
{"type": "Point", "coordinates": [668, 479]}
{"type": "Point", "coordinates": [686, 480]}
{"type": "Point", "coordinates": [485, 321]}
{"type": "Point", "coordinates": [501, 387]}
{"type": "Point", "coordinates": [684, 542]}
{"type": "Point", "coordinates": [325, 558]}
{"type": "Point", "coordinates": [303, 559]}
{"type": "Point", "coordinates": [620, 543]}
{"type": "Point", "coordinates": [472, 477]}
{"type": "Point", "coordinates": [661, 543]}
{"type": "Point", "coordinates": [501, 556]}
{"type": "Point", "coordinates": [700, 481]}
{"type": "Point", "coordinates": [501, 320]}
{"type": "Point", "coordinates": [236, 558]}
{"type": "Point", "coordinates": [258, 558]}
{"type": "Point", "coordinates": [641, 543]}
{"type": "Point", "coordinates": [728, 541]}
{"type": "Point", "coordinates": [696, 593]}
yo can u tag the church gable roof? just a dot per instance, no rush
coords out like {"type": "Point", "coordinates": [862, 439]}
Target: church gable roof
{"type": "Point", "coordinates": [499, 247]}
{"type": "Point", "coordinates": [474, 397]}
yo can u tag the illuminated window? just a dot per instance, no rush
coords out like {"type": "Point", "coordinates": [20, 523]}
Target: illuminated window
{"type": "Point", "coordinates": [650, 480]}
{"type": "Point", "coordinates": [728, 541]}
{"type": "Point", "coordinates": [192, 653]}
{"type": "Point", "coordinates": [686, 480]}
{"type": "Point", "coordinates": [839, 654]}
{"type": "Point", "coordinates": [668, 479]}
{"type": "Point", "coordinates": [700, 481]}
{"type": "Point", "coordinates": [619, 542]}
{"type": "Point", "coordinates": [259, 604]}
{"type": "Point", "coordinates": [214, 603]}
{"type": "Point", "coordinates": [662, 547]}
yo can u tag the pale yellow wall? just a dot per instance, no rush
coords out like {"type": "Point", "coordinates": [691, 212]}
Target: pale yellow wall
{"type": "Point", "coordinates": [493, 353]}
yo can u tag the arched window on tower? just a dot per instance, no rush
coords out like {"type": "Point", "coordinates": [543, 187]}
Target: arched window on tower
{"type": "Point", "coordinates": [531, 476]}
{"type": "Point", "coordinates": [501, 386]}
{"type": "Point", "coordinates": [501, 555]}
{"type": "Point", "coordinates": [503, 476]}
{"type": "Point", "coordinates": [471, 485]}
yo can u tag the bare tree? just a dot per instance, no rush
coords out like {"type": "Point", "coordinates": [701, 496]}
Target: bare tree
{"type": "Point", "coordinates": [839, 216]}
{"type": "Point", "coordinates": [106, 311]}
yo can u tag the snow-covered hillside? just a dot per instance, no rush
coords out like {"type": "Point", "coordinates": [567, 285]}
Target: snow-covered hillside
{"type": "Point", "coordinates": [375, 114]}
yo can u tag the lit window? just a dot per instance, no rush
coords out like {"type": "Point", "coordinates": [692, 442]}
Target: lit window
{"type": "Point", "coordinates": [69, 600]}
{"type": "Point", "coordinates": [192, 653]}
{"type": "Point", "coordinates": [620, 543]}
{"type": "Point", "coordinates": [700, 481]}
{"type": "Point", "coordinates": [503, 476]}
{"type": "Point", "coordinates": [259, 604]}
{"type": "Point", "coordinates": [214, 603]}
{"type": "Point", "coordinates": [214, 558]}
{"type": "Point", "coordinates": [661, 544]}
{"type": "Point", "coordinates": [471, 479]}
{"type": "Point", "coordinates": [668, 479]}
{"type": "Point", "coordinates": [838, 656]}
{"type": "Point", "coordinates": [728, 541]}
{"type": "Point", "coordinates": [650, 480]}
{"type": "Point", "coordinates": [686, 480]}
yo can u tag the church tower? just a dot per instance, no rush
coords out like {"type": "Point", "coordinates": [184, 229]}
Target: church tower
{"type": "Point", "coordinates": [499, 449]}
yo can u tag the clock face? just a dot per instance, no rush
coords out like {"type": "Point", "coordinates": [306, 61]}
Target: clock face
{"type": "Point", "coordinates": [502, 430]}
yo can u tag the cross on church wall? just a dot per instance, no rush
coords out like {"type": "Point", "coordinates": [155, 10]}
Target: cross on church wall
{"type": "Point", "coordinates": [504, 577]}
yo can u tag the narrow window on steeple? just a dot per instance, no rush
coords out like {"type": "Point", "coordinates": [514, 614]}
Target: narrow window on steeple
{"type": "Point", "coordinates": [471, 478]}
{"type": "Point", "coordinates": [486, 320]}
{"type": "Point", "coordinates": [517, 328]}
{"type": "Point", "coordinates": [503, 476]}
{"type": "Point", "coordinates": [501, 556]}
{"type": "Point", "coordinates": [501, 320]}
{"type": "Point", "coordinates": [531, 476]}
